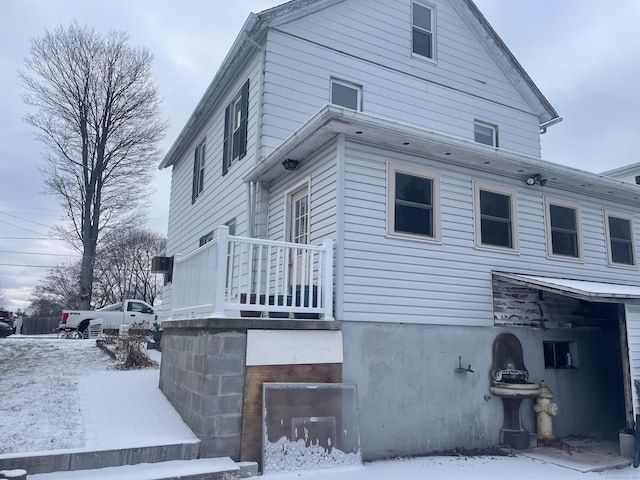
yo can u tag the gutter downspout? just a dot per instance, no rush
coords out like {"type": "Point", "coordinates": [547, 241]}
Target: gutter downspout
{"type": "Point", "coordinates": [251, 186]}
{"type": "Point", "coordinates": [545, 125]}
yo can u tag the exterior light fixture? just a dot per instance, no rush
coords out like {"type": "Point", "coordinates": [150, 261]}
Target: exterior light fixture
{"type": "Point", "coordinates": [536, 179]}
{"type": "Point", "coordinates": [290, 164]}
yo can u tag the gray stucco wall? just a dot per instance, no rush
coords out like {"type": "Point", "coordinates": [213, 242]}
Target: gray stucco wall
{"type": "Point", "coordinates": [412, 401]}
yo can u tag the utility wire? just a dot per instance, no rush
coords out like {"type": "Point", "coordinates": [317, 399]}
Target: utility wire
{"type": "Point", "coordinates": [36, 253]}
{"type": "Point", "coordinates": [24, 220]}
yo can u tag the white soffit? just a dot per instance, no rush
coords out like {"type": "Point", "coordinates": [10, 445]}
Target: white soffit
{"type": "Point", "coordinates": [582, 289]}
{"type": "Point", "coordinates": [293, 347]}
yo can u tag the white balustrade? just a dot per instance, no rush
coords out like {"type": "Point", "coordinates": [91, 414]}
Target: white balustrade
{"type": "Point", "coordinates": [270, 278]}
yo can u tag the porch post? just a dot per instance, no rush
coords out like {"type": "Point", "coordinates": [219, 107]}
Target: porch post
{"type": "Point", "coordinates": [327, 289]}
{"type": "Point", "coordinates": [220, 275]}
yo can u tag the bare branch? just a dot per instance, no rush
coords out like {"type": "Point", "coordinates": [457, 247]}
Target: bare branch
{"type": "Point", "coordinates": [97, 110]}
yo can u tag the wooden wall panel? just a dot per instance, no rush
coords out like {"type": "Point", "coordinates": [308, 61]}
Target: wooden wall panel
{"type": "Point", "coordinates": [255, 377]}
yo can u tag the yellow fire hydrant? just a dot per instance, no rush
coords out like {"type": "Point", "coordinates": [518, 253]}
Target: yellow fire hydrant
{"type": "Point", "coordinates": [545, 410]}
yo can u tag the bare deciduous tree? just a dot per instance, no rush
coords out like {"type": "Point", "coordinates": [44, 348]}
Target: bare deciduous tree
{"type": "Point", "coordinates": [122, 270]}
{"type": "Point", "coordinates": [98, 112]}
{"type": "Point", "coordinates": [124, 263]}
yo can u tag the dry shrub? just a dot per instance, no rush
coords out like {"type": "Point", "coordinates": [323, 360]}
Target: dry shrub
{"type": "Point", "coordinates": [131, 350]}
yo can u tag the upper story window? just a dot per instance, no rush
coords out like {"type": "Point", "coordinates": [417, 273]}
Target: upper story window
{"type": "Point", "coordinates": [423, 20]}
{"type": "Point", "coordinates": [563, 229]}
{"type": "Point", "coordinates": [413, 203]}
{"type": "Point", "coordinates": [205, 239]}
{"type": "Point", "coordinates": [485, 133]}
{"type": "Point", "coordinates": [620, 244]}
{"type": "Point", "coordinates": [346, 94]}
{"type": "Point", "coordinates": [235, 128]}
{"type": "Point", "coordinates": [198, 170]}
{"type": "Point", "coordinates": [495, 214]}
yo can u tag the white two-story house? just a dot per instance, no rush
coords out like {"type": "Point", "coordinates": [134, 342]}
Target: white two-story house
{"type": "Point", "coordinates": [375, 165]}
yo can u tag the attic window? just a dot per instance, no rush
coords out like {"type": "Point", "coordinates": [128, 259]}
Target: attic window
{"type": "Point", "coordinates": [485, 133]}
{"type": "Point", "coordinates": [346, 94]}
{"type": "Point", "coordinates": [423, 30]}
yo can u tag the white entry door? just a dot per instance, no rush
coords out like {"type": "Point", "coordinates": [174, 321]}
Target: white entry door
{"type": "Point", "coordinates": [299, 228]}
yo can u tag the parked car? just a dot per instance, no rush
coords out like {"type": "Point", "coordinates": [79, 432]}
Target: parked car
{"type": "Point", "coordinates": [5, 330]}
{"type": "Point", "coordinates": [7, 317]}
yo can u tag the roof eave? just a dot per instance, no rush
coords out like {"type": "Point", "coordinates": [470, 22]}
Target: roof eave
{"type": "Point", "coordinates": [331, 121]}
{"type": "Point", "coordinates": [546, 113]}
{"type": "Point", "coordinates": [251, 32]}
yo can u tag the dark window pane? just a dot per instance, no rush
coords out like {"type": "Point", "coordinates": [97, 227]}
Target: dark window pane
{"type": "Point", "coordinates": [344, 96]}
{"type": "Point", "coordinates": [564, 243]}
{"type": "Point", "coordinates": [485, 134]}
{"type": "Point", "coordinates": [495, 223]}
{"type": "Point", "coordinates": [562, 217]}
{"type": "Point", "coordinates": [413, 189]}
{"type": "Point", "coordinates": [422, 43]}
{"type": "Point", "coordinates": [549, 361]}
{"type": "Point", "coordinates": [496, 233]}
{"type": "Point", "coordinates": [495, 204]}
{"type": "Point", "coordinates": [621, 252]}
{"type": "Point", "coordinates": [620, 228]}
{"type": "Point", "coordinates": [414, 220]}
{"type": "Point", "coordinates": [422, 17]}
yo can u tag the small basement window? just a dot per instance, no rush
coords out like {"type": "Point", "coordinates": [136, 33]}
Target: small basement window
{"type": "Point", "coordinates": [558, 355]}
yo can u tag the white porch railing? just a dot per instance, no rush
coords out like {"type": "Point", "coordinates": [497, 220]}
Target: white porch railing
{"type": "Point", "coordinates": [258, 277]}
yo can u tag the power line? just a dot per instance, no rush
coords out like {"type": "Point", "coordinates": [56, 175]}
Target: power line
{"type": "Point", "coordinates": [36, 253]}
{"type": "Point", "coordinates": [32, 238]}
{"type": "Point", "coordinates": [22, 228]}
{"type": "Point", "coordinates": [30, 266]}
{"type": "Point", "coordinates": [24, 220]}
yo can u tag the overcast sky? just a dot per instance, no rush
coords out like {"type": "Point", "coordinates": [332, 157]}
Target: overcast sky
{"type": "Point", "coordinates": [584, 56]}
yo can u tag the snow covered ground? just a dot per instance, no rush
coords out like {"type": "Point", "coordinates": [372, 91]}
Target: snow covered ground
{"type": "Point", "coordinates": [53, 395]}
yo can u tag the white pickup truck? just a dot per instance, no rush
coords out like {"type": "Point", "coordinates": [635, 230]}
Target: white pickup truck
{"type": "Point", "coordinates": [121, 313]}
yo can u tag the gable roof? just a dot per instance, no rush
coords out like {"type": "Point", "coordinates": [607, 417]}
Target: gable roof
{"type": "Point", "coordinates": [253, 34]}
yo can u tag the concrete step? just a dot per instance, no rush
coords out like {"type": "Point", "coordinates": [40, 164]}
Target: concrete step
{"type": "Point", "coordinates": [71, 460]}
{"type": "Point", "coordinates": [199, 469]}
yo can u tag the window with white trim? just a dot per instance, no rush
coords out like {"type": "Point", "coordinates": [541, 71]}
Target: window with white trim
{"type": "Point", "coordinates": [485, 133]}
{"type": "Point", "coordinates": [563, 229]}
{"type": "Point", "coordinates": [205, 239]}
{"type": "Point", "coordinates": [494, 215]}
{"type": "Point", "coordinates": [413, 203]}
{"type": "Point", "coordinates": [235, 128]}
{"type": "Point", "coordinates": [620, 242]}
{"type": "Point", "coordinates": [198, 170]}
{"type": "Point", "coordinates": [346, 94]}
{"type": "Point", "coordinates": [423, 21]}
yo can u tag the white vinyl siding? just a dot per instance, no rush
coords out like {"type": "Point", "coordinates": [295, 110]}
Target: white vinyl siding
{"type": "Point", "coordinates": [372, 49]}
{"type": "Point", "coordinates": [379, 32]}
{"type": "Point", "coordinates": [224, 197]}
{"type": "Point", "coordinates": [319, 173]}
{"type": "Point", "coordinates": [391, 279]}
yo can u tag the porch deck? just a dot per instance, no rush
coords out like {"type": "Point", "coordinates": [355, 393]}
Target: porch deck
{"type": "Point", "coordinates": [236, 277]}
